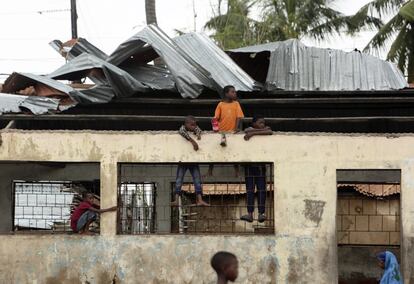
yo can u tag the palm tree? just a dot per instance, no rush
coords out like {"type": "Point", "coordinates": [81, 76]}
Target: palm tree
{"type": "Point", "coordinates": [399, 31]}
{"type": "Point", "coordinates": [281, 20]}
{"type": "Point", "coordinates": [234, 28]}
{"type": "Point", "coordinates": [150, 14]}
{"type": "Point", "coordinates": [151, 17]}
{"type": "Point", "coordinates": [313, 18]}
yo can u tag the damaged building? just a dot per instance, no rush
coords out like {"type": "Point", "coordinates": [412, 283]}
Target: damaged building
{"type": "Point", "coordinates": [339, 165]}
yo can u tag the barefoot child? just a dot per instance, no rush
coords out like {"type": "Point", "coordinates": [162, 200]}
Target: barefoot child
{"type": "Point", "coordinates": [195, 173]}
{"type": "Point", "coordinates": [226, 266]}
{"type": "Point", "coordinates": [190, 125]}
{"type": "Point", "coordinates": [255, 175]}
{"type": "Point", "coordinates": [85, 214]}
{"type": "Point", "coordinates": [228, 113]}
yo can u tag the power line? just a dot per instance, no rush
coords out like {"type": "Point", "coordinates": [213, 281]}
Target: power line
{"type": "Point", "coordinates": [30, 59]}
{"type": "Point", "coordinates": [52, 11]}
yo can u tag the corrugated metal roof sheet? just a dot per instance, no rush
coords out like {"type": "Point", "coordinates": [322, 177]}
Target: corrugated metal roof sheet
{"type": "Point", "coordinates": [19, 81]}
{"type": "Point", "coordinates": [257, 48]}
{"type": "Point", "coordinates": [296, 67]}
{"type": "Point", "coordinates": [157, 78]}
{"type": "Point", "coordinates": [10, 103]}
{"type": "Point", "coordinates": [190, 77]}
{"type": "Point", "coordinates": [76, 47]}
{"type": "Point", "coordinates": [224, 71]}
{"type": "Point", "coordinates": [122, 83]}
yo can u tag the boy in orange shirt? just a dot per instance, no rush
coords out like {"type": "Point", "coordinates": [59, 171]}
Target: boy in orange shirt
{"type": "Point", "coordinates": [228, 113]}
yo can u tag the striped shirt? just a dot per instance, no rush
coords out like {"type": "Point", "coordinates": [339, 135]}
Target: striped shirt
{"type": "Point", "coordinates": [186, 134]}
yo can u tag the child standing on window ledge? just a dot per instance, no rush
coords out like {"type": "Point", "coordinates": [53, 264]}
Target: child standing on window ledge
{"type": "Point", "coordinates": [190, 125]}
{"type": "Point", "coordinates": [228, 114]}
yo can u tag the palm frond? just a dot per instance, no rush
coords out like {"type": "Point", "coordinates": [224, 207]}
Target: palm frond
{"type": "Point", "coordinates": [398, 46]}
{"type": "Point", "coordinates": [327, 28]}
{"type": "Point", "coordinates": [385, 33]}
{"type": "Point", "coordinates": [362, 20]}
{"type": "Point", "coordinates": [383, 7]}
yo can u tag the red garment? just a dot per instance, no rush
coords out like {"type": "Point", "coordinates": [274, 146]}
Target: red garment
{"type": "Point", "coordinates": [77, 213]}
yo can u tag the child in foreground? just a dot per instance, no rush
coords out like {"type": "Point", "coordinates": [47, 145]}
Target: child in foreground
{"type": "Point", "coordinates": [228, 114]}
{"type": "Point", "coordinates": [83, 216]}
{"type": "Point", "coordinates": [226, 266]}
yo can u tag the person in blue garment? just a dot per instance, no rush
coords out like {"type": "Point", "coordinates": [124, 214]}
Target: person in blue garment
{"type": "Point", "coordinates": [388, 262]}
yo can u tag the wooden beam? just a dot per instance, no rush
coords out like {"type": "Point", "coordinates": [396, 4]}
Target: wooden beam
{"type": "Point", "coordinates": [270, 101]}
{"type": "Point", "coordinates": [151, 118]}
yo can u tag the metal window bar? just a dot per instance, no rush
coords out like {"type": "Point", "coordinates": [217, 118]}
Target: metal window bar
{"type": "Point", "coordinates": [224, 191]}
{"type": "Point", "coordinates": [136, 208]}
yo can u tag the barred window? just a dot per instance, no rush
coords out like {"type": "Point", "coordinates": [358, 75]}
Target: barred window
{"type": "Point", "coordinates": [146, 191]}
{"type": "Point", "coordinates": [136, 205]}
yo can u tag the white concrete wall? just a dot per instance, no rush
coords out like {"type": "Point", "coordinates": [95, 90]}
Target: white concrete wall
{"type": "Point", "coordinates": [303, 249]}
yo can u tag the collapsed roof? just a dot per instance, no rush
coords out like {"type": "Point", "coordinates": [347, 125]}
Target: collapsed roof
{"type": "Point", "coordinates": [192, 64]}
{"type": "Point", "coordinates": [292, 66]}
{"type": "Point", "coordinates": [194, 61]}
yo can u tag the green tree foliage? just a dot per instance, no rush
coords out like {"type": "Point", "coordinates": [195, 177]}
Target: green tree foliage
{"type": "Point", "coordinates": [281, 20]}
{"type": "Point", "coordinates": [235, 28]}
{"type": "Point", "coordinates": [398, 31]}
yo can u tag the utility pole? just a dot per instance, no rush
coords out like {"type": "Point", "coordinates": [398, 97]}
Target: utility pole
{"type": "Point", "coordinates": [74, 19]}
{"type": "Point", "coordinates": [194, 17]}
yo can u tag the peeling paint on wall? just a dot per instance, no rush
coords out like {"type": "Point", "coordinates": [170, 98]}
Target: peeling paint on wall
{"type": "Point", "coordinates": [303, 248]}
{"type": "Point", "coordinates": [314, 210]}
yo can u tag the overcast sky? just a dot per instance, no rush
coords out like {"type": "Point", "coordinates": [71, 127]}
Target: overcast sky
{"type": "Point", "coordinates": [28, 26]}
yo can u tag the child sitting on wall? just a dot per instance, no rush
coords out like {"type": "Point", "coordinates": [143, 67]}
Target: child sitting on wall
{"type": "Point", "coordinates": [255, 174]}
{"type": "Point", "coordinates": [258, 128]}
{"type": "Point", "coordinates": [228, 114]}
{"type": "Point", "coordinates": [85, 214]}
{"type": "Point", "coordinates": [226, 266]}
{"type": "Point", "coordinates": [190, 125]}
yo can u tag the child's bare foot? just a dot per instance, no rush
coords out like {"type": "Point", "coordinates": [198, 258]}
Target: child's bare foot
{"type": "Point", "coordinates": [86, 232]}
{"type": "Point", "coordinates": [202, 203]}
